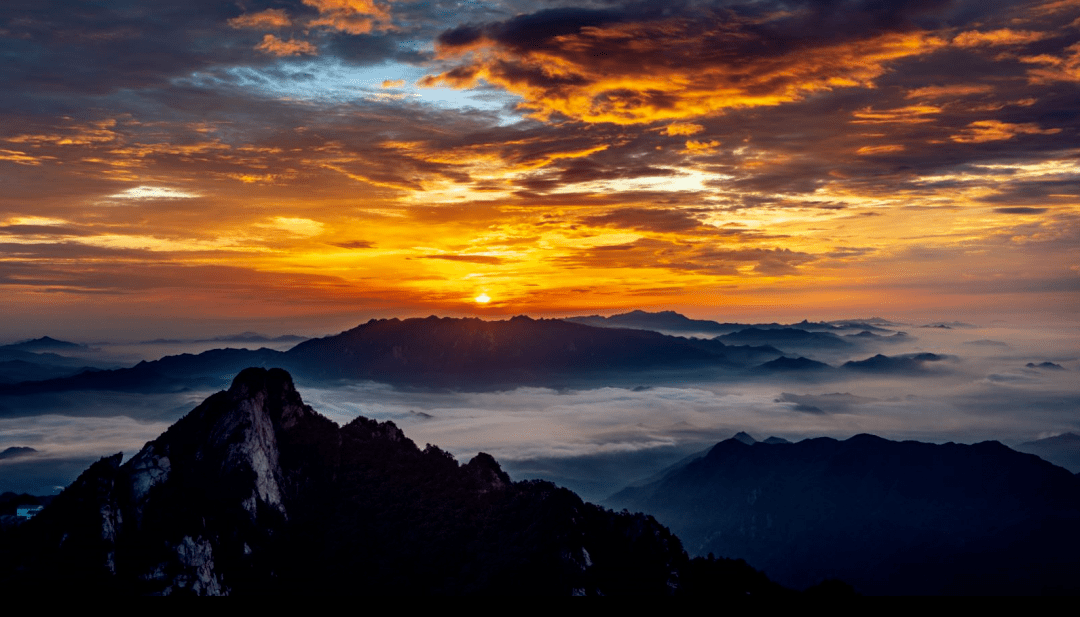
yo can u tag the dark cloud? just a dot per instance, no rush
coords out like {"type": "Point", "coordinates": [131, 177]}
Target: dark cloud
{"type": "Point", "coordinates": [701, 258]}
{"type": "Point", "coordinates": [43, 230]}
{"type": "Point", "coordinates": [531, 31]}
{"type": "Point", "coordinates": [477, 259]}
{"type": "Point", "coordinates": [644, 219]}
{"type": "Point", "coordinates": [67, 46]}
{"type": "Point", "coordinates": [723, 59]}
{"type": "Point", "coordinates": [354, 244]}
{"type": "Point", "coordinates": [1019, 210]}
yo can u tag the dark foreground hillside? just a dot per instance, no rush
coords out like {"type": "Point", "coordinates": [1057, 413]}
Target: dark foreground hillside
{"type": "Point", "coordinates": [255, 492]}
{"type": "Point", "coordinates": [887, 517]}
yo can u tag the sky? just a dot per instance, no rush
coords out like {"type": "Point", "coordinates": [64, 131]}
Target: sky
{"type": "Point", "coordinates": [215, 166]}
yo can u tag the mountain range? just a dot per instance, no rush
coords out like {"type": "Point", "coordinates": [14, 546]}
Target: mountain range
{"type": "Point", "coordinates": [253, 492]}
{"type": "Point", "coordinates": [473, 354]}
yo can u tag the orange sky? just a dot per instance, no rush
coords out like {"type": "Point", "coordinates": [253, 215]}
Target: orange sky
{"type": "Point", "coordinates": [305, 165]}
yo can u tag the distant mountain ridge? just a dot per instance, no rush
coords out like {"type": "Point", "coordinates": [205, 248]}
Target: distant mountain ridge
{"type": "Point", "coordinates": [474, 354]}
{"type": "Point", "coordinates": [671, 321]}
{"type": "Point", "coordinates": [438, 352]}
{"type": "Point", "coordinates": [521, 350]}
{"type": "Point", "coordinates": [44, 343]}
{"type": "Point", "coordinates": [1062, 450]}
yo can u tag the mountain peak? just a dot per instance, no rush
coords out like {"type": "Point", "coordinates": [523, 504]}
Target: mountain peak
{"type": "Point", "coordinates": [257, 379]}
{"type": "Point", "coordinates": [744, 438]}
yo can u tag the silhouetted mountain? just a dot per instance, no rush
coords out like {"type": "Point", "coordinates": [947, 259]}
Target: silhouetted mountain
{"type": "Point", "coordinates": [775, 440]}
{"type": "Point", "coordinates": [800, 364]}
{"type": "Point", "coordinates": [211, 368]}
{"type": "Point", "coordinates": [1062, 450]}
{"type": "Point", "coordinates": [867, 336]}
{"type": "Point", "coordinates": [667, 321]}
{"type": "Point", "coordinates": [670, 321]}
{"type": "Point", "coordinates": [472, 353]}
{"type": "Point", "coordinates": [874, 324]}
{"type": "Point", "coordinates": [786, 338]}
{"type": "Point", "coordinates": [44, 343]}
{"type": "Point", "coordinates": [253, 492]}
{"type": "Point", "coordinates": [15, 371]}
{"type": "Point", "coordinates": [743, 437]}
{"type": "Point", "coordinates": [908, 363]}
{"type": "Point", "coordinates": [17, 451]}
{"type": "Point", "coordinates": [888, 517]}
{"type": "Point", "coordinates": [18, 364]}
{"type": "Point", "coordinates": [441, 353]}
{"type": "Point", "coordinates": [1046, 365]}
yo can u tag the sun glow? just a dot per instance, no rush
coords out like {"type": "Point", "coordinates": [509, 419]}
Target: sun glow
{"type": "Point", "coordinates": [482, 299]}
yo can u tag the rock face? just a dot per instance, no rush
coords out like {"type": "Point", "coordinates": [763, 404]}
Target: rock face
{"type": "Point", "coordinates": [255, 492]}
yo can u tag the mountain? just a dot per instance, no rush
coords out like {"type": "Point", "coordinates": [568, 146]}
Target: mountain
{"type": "Point", "coordinates": [887, 517]}
{"type": "Point", "coordinates": [469, 354]}
{"type": "Point", "coordinates": [663, 321]}
{"type": "Point", "coordinates": [18, 364]}
{"type": "Point", "coordinates": [786, 338]}
{"type": "Point", "coordinates": [1062, 450]}
{"type": "Point", "coordinates": [800, 364]}
{"type": "Point", "coordinates": [253, 492]}
{"type": "Point", "coordinates": [907, 363]}
{"type": "Point", "coordinates": [670, 321]}
{"type": "Point", "coordinates": [17, 451]}
{"type": "Point", "coordinates": [472, 353]}
{"type": "Point", "coordinates": [45, 343]}
{"type": "Point", "coordinates": [211, 368]}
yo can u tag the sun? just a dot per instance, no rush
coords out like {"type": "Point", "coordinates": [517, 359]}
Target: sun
{"type": "Point", "coordinates": [482, 299]}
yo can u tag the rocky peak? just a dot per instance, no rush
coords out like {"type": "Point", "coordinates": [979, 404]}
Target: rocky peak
{"type": "Point", "coordinates": [486, 473]}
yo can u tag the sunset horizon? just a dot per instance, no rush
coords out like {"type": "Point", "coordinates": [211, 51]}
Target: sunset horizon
{"type": "Point", "coordinates": [301, 162]}
{"type": "Point", "coordinates": [595, 243]}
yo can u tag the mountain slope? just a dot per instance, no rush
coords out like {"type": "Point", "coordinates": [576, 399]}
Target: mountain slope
{"type": "Point", "coordinates": [887, 517]}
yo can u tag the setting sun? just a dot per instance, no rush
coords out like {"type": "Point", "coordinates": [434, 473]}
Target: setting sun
{"type": "Point", "coordinates": [482, 299]}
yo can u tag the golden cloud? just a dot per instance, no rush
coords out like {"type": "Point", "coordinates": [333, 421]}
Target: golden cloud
{"type": "Point", "coordinates": [936, 92]}
{"type": "Point", "coordinates": [694, 146]}
{"type": "Point", "coordinates": [76, 135]}
{"type": "Point", "coordinates": [994, 130]}
{"type": "Point", "coordinates": [884, 149]}
{"type": "Point", "coordinates": [912, 114]}
{"type": "Point", "coordinates": [21, 158]}
{"type": "Point", "coordinates": [683, 128]}
{"type": "Point", "coordinates": [1055, 68]}
{"type": "Point", "coordinates": [351, 16]}
{"type": "Point", "coordinates": [268, 19]}
{"type": "Point", "coordinates": [1004, 36]}
{"type": "Point", "coordinates": [292, 47]}
{"type": "Point", "coordinates": [633, 73]}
